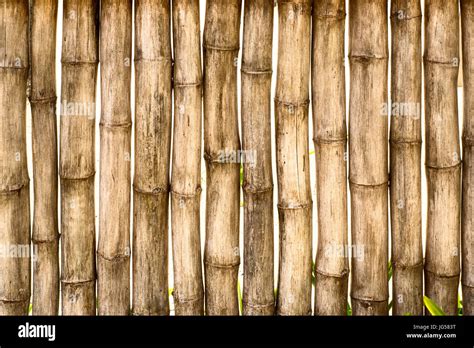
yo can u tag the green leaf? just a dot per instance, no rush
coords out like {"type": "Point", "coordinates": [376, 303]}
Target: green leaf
{"type": "Point", "coordinates": [239, 295]}
{"type": "Point", "coordinates": [460, 308]}
{"type": "Point", "coordinates": [170, 291]}
{"type": "Point", "coordinates": [390, 270]}
{"type": "Point", "coordinates": [349, 309]}
{"type": "Point", "coordinates": [241, 175]}
{"type": "Point", "coordinates": [313, 274]}
{"type": "Point", "coordinates": [30, 308]}
{"type": "Point", "coordinates": [432, 307]}
{"type": "Point", "coordinates": [390, 305]}
{"type": "Point", "coordinates": [407, 314]}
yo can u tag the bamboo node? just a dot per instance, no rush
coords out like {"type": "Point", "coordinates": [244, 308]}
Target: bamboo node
{"type": "Point", "coordinates": [186, 84]}
{"type": "Point", "coordinates": [154, 192]}
{"type": "Point", "coordinates": [335, 16]}
{"type": "Point", "coordinates": [112, 125]}
{"type": "Point", "coordinates": [197, 191]}
{"type": "Point", "coordinates": [442, 275]}
{"type": "Point", "coordinates": [250, 71]}
{"type": "Point", "coordinates": [447, 168]}
{"type": "Point", "coordinates": [366, 58]}
{"type": "Point", "coordinates": [114, 259]}
{"type": "Point", "coordinates": [209, 47]}
{"type": "Point", "coordinates": [329, 141]}
{"type": "Point", "coordinates": [467, 141]}
{"type": "Point", "coordinates": [251, 304]}
{"type": "Point", "coordinates": [77, 282]}
{"type": "Point", "coordinates": [45, 100]}
{"type": "Point", "coordinates": [453, 63]}
{"type": "Point", "coordinates": [79, 62]}
{"type": "Point", "coordinates": [13, 189]}
{"type": "Point", "coordinates": [295, 206]}
{"type": "Point", "coordinates": [292, 105]}
{"type": "Point", "coordinates": [86, 176]}
{"type": "Point", "coordinates": [373, 186]}
{"type": "Point", "coordinates": [343, 274]}
{"type": "Point", "coordinates": [220, 159]}
{"type": "Point", "coordinates": [250, 188]}
{"type": "Point", "coordinates": [402, 266]}
{"type": "Point", "coordinates": [231, 265]}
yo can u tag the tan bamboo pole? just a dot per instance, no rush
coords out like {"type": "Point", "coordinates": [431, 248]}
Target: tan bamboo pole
{"type": "Point", "coordinates": [294, 187]}
{"type": "Point", "coordinates": [258, 294]}
{"type": "Point", "coordinates": [330, 139]}
{"type": "Point", "coordinates": [467, 227]}
{"type": "Point", "coordinates": [152, 157]}
{"type": "Point", "coordinates": [368, 145]}
{"type": "Point", "coordinates": [405, 158]}
{"type": "Point", "coordinates": [443, 164]}
{"type": "Point", "coordinates": [113, 255]}
{"type": "Point", "coordinates": [80, 56]}
{"type": "Point", "coordinates": [14, 180]}
{"type": "Point", "coordinates": [188, 290]}
{"type": "Point", "coordinates": [221, 146]}
{"type": "Point", "coordinates": [42, 97]}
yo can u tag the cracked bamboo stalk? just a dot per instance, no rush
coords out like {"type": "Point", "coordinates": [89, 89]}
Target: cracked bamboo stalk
{"type": "Point", "coordinates": [14, 181]}
{"type": "Point", "coordinates": [152, 157]}
{"type": "Point", "coordinates": [293, 172]}
{"type": "Point", "coordinates": [42, 97]}
{"type": "Point", "coordinates": [113, 255]}
{"type": "Point", "coordinates": [330, 139]}
{"type": "Point", "coordinates": [405, 158]}
{"type": "Point", "coordinates": [368, 145]}
{"type": "Point", "coordinates": [467, 227]}
{"type": "Point", "coordinates": [188, 290]}
{"type": "Point", "coordinates": [259, 294]}
{"type": "Point", "coordinates": [80, 55]}
{"type": "Point", "coordinates": [443, 164]}
{"type": "Point", "coordinates": [221, 146]}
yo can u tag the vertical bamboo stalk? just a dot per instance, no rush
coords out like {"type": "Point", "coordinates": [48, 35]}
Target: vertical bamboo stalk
{"type": "Point", "coordinates": [330, 139]}
{"type": "Point", "coordinates": [80, 55]}
{"type": "Point", "coordinates": [186, 175]}
{"type": "Point", "coordinates": [368, 175]}
{"type": "Point", "coordinates": [113, 255]}
{"type": "Point", "coordinates": [221, 145]}
{"type": "Point", "coordinates": [152, 150]}
{"type": "Point", "coordinates": [42, 97]}
{"type": "Point", "coordinates": [259, 295]}
{"type": "Point", "coordinates": [405, 158]}
{"type": "Point", "coordinates": [467, 227]}
{"type": "Point", "coordinates": [294, 187]}
{"type": "Point", "coordinates": [443, 165]}
{"type": "Point", "coordinates": [14, 181]}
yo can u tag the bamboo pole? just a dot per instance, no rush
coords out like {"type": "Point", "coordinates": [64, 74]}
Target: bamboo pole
{"type": "Point", "coordinates": [330, 139]}
{"type": "Point", "coordinates": [113, 255]}
{"type": "Point", "coordinates": [77, 156]}
{"type": "Point", "coordinates": [152, 157]}
{"type": "Point", "coordinates": [42, 97]}
{"type": "Point", "coordinates": [258, 295]}
{"type": "Point", "coordinates": [221, 146]}
{"type": "Point", "coordinates": [443, 165]}
{"type": "Point", "coordinates": [467, 227]}
{"type": "Point", "coordinates": [186, 174]}
{"type": "Point", "coordinates": [368, 165]}
{"type": "Point", "coordinates": [405, 158]}
{"type": "Point", "coordinates": [14, 181]}
{"type": "Point", "coordinates": [294, 187]}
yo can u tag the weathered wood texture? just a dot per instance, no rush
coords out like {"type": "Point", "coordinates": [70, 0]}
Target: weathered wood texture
{"type": "Point", "coordinates": [45, 237]}
{"type": "Point", "coordinates": [113, 255]}
{"type": "Point", "coordinates": [221, 138]}
{"type": "Point", "coordinates": [14, 180]}
{"type": "Point", "coordinates": [368, 155]}
{"type": "Point", "coordinates": [188, 290]}
{"type": "Point", "coordinates": [330, 141]}
{"type": "Point", "coordinates": [294, 187]}
{"type": "Point", "coordinates": [152, 157]}
{"type": "Point", "coordinates": [80, 56]}
{"type": "Point", "coordinates": [467, 227]}
{"type": "Point", "coordinates": [256, 72]}
{"type": "Point", "coordinates": [405, 158]}
{"type": "Point", "coordinates": [443, 159]}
